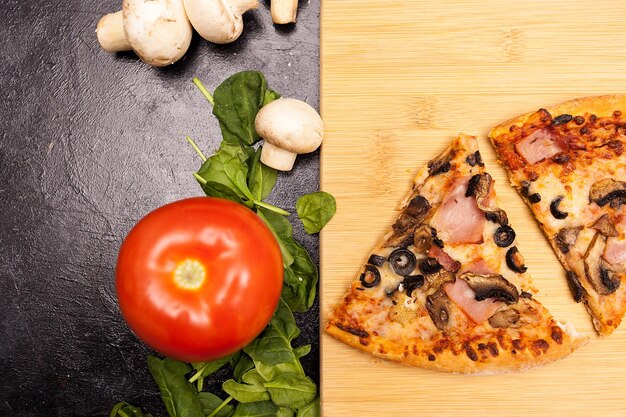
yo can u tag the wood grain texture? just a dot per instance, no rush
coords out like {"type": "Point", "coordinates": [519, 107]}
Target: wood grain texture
{"type": "Point", "coordinates": [399, 80]}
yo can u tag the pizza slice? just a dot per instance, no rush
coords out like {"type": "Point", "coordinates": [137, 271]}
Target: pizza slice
{"type": "Point", "coordinates": [446, 287]}
{"type": "Point", "coordinates": [568, 163]}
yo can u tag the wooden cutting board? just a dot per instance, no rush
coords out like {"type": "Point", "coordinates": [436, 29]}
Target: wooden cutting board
{"type": "Point", "coordinates": [399, 80]}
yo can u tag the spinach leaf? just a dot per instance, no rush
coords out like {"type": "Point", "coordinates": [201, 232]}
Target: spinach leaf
{"type": "Point", "coordinates": [315, 210]}
{"type": "Point", "coordinates": [124, 409]}
{"type": "Point", "coordinates": [271, 351]}
{"type": "Point", "coordinates": [291, 390]}
{"type": "Point", "coordinates": [284, 412]}
{"type": "Point", "coordinates": [216, 189]}
{"type": "Point", "coordinates": [179, 396]}
{"type": "Point", "coordinates": [302, 351]}
{"type": "Point", "coordinates": [301, 279]}
{"type": "Point", "coordinates": [270, 95]}
{"type": "Point", "coordinates": [260, 409]}
{"type": "Point", "coordinates": [261, 178]}
{"type": "Point", "coordinates": [251, 391]}
{"type": "Point", "coordinates": [204, 369]}
{"type": "Point", "coordinates": [242, 366]}
{"type": "Point", "coordinates": [226, 167]}
{"type": "Point", "coordinates": [211, 401]}
{"type": "Point", "coordinates": [237, 101]}
{"type": "Point", "coordinates": [301, 274]}
{"type": "Point", "coordinates": [312, 409]}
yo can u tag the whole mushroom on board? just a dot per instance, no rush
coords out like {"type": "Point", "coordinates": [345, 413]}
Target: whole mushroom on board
{"type": "Point", "coordinates": [284, 11]}
{"type": "Point", "coordinates": [218, 21]}
{"type": "Point", "coordinates": [289, 127]}
{"type": "Point", "coordinates": [157, 30]}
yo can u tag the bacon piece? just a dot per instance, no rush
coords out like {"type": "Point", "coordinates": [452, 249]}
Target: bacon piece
{"type": "Point", "coordinates": [615, 253]}
{"type": "Point", "coordinates": [538, 146]}
{"type": "Point", "coordinates": [464, 297]}
{"type": "Point", "coordinates": [458, 219]}
{"type": "Point", "coordinates": [444, 259]}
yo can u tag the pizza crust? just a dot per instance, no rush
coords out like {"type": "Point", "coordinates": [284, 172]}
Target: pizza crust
{"type": "Point", "coordinates": [492, 356]}
{"type": "Point", "coordinates": [601, 106]}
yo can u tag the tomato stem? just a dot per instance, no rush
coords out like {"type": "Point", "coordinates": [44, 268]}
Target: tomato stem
{"type": "Point", "coordinates": [203, 90]}
{"type": "Point", "coordinates": [271, 208]}
{"type": "Point", "coordinates": [219, 407]}
{"type": "Point", "coordinates": [195, 148]}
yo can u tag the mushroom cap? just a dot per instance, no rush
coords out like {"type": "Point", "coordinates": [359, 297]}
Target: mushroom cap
{"type": "Point", "coordinates": [290, 124]}
{"type": "Point", "coordinates": [158, 30]}
{"type": "Point", "coordinates": [218, 21]}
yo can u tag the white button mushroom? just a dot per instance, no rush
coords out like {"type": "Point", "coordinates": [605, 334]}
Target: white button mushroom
{"type": "Point", "coordinates": [284, 11]}
{"type": "Point", "coordinates": [218, 21]}
{"type": "Point", "coordinates": [157, 30]}
{"type": "Point", "coordinates": [289, 127]}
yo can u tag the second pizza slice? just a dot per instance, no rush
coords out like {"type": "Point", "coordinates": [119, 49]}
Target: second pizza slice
{"type": "Point", "coordinates": [446, 288]}
{"type": "Point", "coordinates": [569, 164]}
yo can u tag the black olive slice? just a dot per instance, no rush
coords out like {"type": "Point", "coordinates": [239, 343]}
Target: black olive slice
{"type": "Point", "coordinates": [376, 260]}
{"type": "Point", "coordinates": [402, 261]}
{"type": "Point", "coordinates": [562, 119]}
{"type": "Point", "coordinates": [554, 208]}
{"type": "Point", "coordinates": [479, 159]}
{"type": "Point", "coordinates": [371, 277]}
{"type": "Point", "coordinates": [504, 236]}
{"type": "Point", "coordinates": [430, 266]}
{"type": "Point", "coordinates": [411, 283]}
{"type": "Point", "coordinates": [515, 261]}
{"type": "Point", "coordinates": [534, 198]}
{"type": "Point", "coordinates": [525, 186]}
{"type": "Point", "coordinates": [473, 185]}
{"type": "Point", "coordinates": [475, 159]}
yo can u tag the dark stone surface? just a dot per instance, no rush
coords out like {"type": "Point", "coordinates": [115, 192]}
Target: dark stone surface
{"type": "Point", "coordinates": [90, 143]}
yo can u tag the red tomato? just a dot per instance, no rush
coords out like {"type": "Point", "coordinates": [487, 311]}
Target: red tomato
{"type": "Point", "coordinates": [199, 278]}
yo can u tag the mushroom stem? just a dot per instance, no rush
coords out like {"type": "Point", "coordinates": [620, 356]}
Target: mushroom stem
{"type": "Point", "coordinates": [242, 6]}
{"type": "Point", "coordinates": [277, 158]}
{"type": "Point", "coordinates": [284, 11]}
{"type": "Point", "coordinates": [110, 33]}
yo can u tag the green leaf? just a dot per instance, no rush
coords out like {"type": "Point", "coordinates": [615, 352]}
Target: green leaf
{"type": "Point", "coordinates": [227, 167]}
{"type": "Point", "coordinates": [285, 412]}
{"type": "Point", "coordinates": [291, 390]}
{"type": "Point", "coordinates": [124, 409]}
{"type": "Point", "coordinates": [270, 95]}
{"type": "Point", "coordinates": [271, 351]}
{"type": "Point", "coordinates": [302, 351]}
{"type": "Point", "coordinates": [315, 210]}
{"type": "Point", "coordinates": [242, 366]}
{"type": "Point", "coordinates": [261, 178]}
{"type": "Point", "coordinates": [215, 189]}
{"type": "Point", "coordinates": [301, 274]}
{"type": "Point", "coordinates": [260, 409]}
{"type": "Point", "coordinates": [205, 369]}
{"type": "Point", "coordinates": [273, 220]}
{"type": "Point", "coordinates": [211, 401]}
{"type": "Point", "coordinates": [179, 396]}
{"type": "Point", "coordinates": [251, 391]}
{"type": "Point", "coordinates": [237, 101]}
{"type": "Point", "coordinates": [312, 409]}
